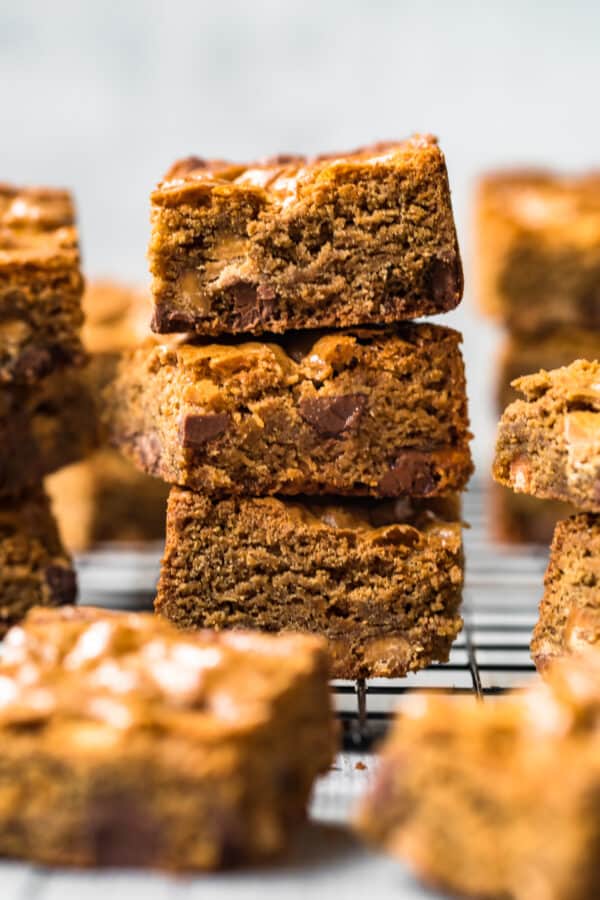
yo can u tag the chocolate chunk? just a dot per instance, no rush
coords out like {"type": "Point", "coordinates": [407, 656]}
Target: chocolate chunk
{"type": "Point", "coordinates": [412, 473]}
{"type": "Point", "coordinates": [254, 305]}
{"type": "Point", "coordinates": [445, 281]}
{"type": "Point", "coordinates": [197, 430]}
{"type": "Point", "coordinates": [165, 321]}
{"type": "Point", "coordinates": [331, 416]}
{"type": "Point", "coordinates": [62, 583]}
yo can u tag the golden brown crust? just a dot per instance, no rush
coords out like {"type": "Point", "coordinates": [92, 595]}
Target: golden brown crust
{"type": "Point", "coordinates": [380, 580]}
{"type": "Point", "coordinates": [289, 242]}
{"type": "Point", "coordinates": [469, 794]}
{"type": "Point", "coordinates": [365, 411]}
{"type": "Point", "coordinates": [126, 743]}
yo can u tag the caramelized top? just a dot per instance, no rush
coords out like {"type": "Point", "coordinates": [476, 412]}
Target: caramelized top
{"type": "Point", "coordinates": [281, 177]}
{"type": "Point", "coordinates": [105, 674]}
{"type": "Point", "coordinates": [36, 224]}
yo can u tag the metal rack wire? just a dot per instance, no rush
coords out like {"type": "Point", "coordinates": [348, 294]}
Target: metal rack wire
{"type": "Point", "coordinates": [502, 590]}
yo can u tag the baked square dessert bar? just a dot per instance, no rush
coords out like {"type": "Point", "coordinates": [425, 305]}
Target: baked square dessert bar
{"type": "Point", "coordinates": [570, 608]}
{"type": "Point", "coordinates": [539, 249]}
{"type": "Point", "coordinates": [500, 799]}
{"type": "Point", "coordinates": [380, 580]}
{"type": "Point", "coordinates": [522, 355]}
{"type": "Point", "coordinates": [521, 519]}
{"type": "Point", "coordinates": [290, 242]}
{"type": "Point", "coordinates": [43, 428]}
{"type": "Point", "coordinates": [105, 499]}
{"type": "Point", "coordinates": [40, 283]}
{"type": "Point", "coordinates": [34, 568]}
{"type": "Point", "coordinates": [549, 443]}
{"type": "Point", "coordinates": [127, 743]}
{"type": "Point", "coordinates": [379, 412]}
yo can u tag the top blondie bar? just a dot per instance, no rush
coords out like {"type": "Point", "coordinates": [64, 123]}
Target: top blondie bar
{"type": "Point", "coordinates": [40, 283]}
{"type": "Point", "coordinates": [292, 242]}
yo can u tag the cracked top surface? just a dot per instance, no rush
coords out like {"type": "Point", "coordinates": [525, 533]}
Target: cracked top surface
{"type": "Point", "coordinates": [36, 224]}
{"type": "Point", "coordinates": [105, 674]}
{"type": "Point", "coordinates": [281, 178]}
{"type": "Point", "coordinates": [312, 353]}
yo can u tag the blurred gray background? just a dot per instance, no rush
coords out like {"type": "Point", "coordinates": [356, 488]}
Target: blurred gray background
{"type": "Point", "coordinates": [103, 96]}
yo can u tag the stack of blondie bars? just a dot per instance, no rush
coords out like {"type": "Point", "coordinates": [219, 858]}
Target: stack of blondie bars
{"type": "Point", "coordinates": [45, 419]}
{"type": "Point", "coordinates": [316, 441]}
{"type": "Point", "coordinates": [539, 275]}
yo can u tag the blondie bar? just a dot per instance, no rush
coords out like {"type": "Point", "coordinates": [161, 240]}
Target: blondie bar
{"type": "Point", "coordinates": [380, 580]}
{"type": "Point", "coordinates": [369, 411]}
{"type": "Point", "coordinates": [40, 283]}
{"type": "Point", "coordinates": [44, 427]}
{"type": "Point", "coordinates": [127, 743]}
{"type": "Point", "coordinates": [570, 608]}
{"type": "Point", "coordinates": [496, 800]}
{"type": "Point", "coordinates": [522, 355]}
{"type": "Point", "coordinates": [549, 443]}
{"type": "Point", "coordinates": [539, 249]}
{"type": "Point", "coordinates": [289, 242]}
{"type": "Point", "coordinates": [104, 497]}
{"type": "Point", "coordinates": [34, 568]}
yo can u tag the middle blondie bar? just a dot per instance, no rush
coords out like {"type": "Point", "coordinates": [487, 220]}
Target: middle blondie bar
{"type": "Point", "coordinates": [380, 580]}
{"type": "Point", "coordinates": [378, 412]}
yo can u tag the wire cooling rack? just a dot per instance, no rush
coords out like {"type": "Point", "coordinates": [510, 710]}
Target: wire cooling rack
{"type": "Point", "coordinates": [502, 590]}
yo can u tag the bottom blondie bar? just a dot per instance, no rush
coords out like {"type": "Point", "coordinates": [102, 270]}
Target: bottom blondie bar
{"type": "Point", "coordinates": [380, 580]}
{"type": "Point", "coordinates": [497, 800]}
{"type": "Point", "coordinates": [105, 499]}
{"type": "Point", "coordinates": [125, 742]}
{"type": "Point", "coordinates": [570, 608]}
{"type": "Point", "coordinates": [34, 569]}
